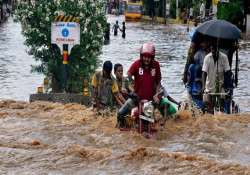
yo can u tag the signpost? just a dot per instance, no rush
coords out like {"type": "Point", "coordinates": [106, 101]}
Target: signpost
{"type": "Point", "coordinates": [65, 33]}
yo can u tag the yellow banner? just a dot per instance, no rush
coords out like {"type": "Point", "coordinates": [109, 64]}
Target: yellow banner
{"type": "Point", "coordinates": [215, 2]}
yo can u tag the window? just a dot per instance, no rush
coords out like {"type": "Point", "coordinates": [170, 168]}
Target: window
{"type": "Point", "coordinates": [134, 9]}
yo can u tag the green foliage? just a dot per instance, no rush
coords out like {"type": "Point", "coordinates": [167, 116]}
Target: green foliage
{"type": "Point", "coordinates": [196, 7]}
{"type": "Point", "coordinates": [36, 18]}
{"type": "Point", "coordinates": [184, 4]}
{"type": "Point", "coordinates": [232, 11]}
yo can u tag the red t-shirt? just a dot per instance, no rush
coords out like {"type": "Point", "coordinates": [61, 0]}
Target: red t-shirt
{"type": "Point", "coordinates": [145, 79]}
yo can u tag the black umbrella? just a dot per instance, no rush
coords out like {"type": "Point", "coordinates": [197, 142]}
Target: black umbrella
{"type": "Point", "coordinates": [222, 29]}
{"type": "Point", "coordinates": [219, 29]}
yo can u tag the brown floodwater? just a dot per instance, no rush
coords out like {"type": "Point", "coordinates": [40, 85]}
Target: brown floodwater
{"type": "Point", "coordinates": [51, 138]}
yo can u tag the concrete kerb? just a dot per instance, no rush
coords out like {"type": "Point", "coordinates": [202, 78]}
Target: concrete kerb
{"type": "Point", "coordinates": [162, 20]}
{"type": "Point", "coordinates": [62, 98]}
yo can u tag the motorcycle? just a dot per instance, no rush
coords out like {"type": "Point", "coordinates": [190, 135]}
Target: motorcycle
{"type": "Point", "coordinates": [143, 118]}
{"type": "Point", "coordinates": [143, 115]}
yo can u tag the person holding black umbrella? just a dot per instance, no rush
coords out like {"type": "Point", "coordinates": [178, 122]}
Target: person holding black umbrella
{"type": "Point", "coordinates": [214, 68]}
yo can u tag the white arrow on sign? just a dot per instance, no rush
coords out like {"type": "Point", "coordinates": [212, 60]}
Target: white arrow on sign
{"type": "Point", "coordinates": [65, 33]}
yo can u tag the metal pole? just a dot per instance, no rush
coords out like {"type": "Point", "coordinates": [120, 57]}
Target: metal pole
{"type": "Point", "coordinates": [164, 10]}
{"type": "Point", "coordinates": [236, 65]}
{"type": "Point", "coordinates": [177, 11]}
{"type": "Point", "coordinates": [188, 15]}
{"type": "Point", "coordinates": [65, 66]}
{"type": "Point", "coordinates": [246, 8]}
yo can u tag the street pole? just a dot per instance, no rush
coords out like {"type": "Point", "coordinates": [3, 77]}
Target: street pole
{"type": "Point", "coordinates": [188, 15]}
{"type": "Point", "coordinates": [164, 10]}
{"type": "Point", "coordinates": [65, 66]}
{"type": "Point", "coordinates": [177, 11]}
{"type": "Point", "coordinates": [246, 11]}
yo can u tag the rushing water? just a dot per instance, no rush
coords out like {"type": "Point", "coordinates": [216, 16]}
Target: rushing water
{"type": "Point", "coordinates": [50, 138]}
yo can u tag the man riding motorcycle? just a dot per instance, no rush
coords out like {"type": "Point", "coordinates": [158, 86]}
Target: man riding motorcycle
{"type": "Point", "coordinates": [147, 77]}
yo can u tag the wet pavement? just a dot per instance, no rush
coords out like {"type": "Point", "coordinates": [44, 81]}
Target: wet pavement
{"type": "Point", "coordinates": [172, 41]}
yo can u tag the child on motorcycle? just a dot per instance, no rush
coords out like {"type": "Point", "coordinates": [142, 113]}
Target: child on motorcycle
{"type": "Point", "coordinates": [166, 104]}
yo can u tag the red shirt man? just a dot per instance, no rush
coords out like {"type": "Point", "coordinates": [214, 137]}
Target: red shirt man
{"type": "Point", "coordinates": [147, 76]}
{"type": "Point", "coordinates": [146, 72]}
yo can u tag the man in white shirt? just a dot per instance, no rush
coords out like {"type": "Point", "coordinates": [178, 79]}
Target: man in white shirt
{"type": "Point", "coordinates": [214, 67]}
{"type": "Point", "coordinates": [191, 12]}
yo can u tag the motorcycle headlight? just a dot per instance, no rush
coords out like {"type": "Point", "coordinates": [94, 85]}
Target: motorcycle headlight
{"type": "Point", "coordinates": [148, 109]}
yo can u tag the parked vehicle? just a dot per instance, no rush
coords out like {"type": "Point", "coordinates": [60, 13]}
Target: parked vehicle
{"type": "Point", "coordinates": [133, 11]}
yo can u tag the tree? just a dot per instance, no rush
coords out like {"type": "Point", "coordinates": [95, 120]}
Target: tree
{"type": "Point", "coordinates": [184, 4]}
{"type": "Point", "coordinates": [232, 11]}
{"type": "Point", "coordinates": [36, 17]}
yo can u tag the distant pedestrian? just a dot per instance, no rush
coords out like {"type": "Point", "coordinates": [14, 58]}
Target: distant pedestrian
{"type": "Point", "coordinates": [107, 32]}
{"type": "Point", "coordinates": [202, 11]}
{"type": "Point", "coordinates": [115, 28]}
{"type": "Point", "coordinates": [191, 13]}
{"type": "Point", "coordinates": [123, 30]}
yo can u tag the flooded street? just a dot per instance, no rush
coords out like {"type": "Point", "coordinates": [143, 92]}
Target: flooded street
{"type": "Point", "coordinates": [172, 42]}
{"type": "Point", "coordinates": [51, 138]}
{"type": "Point", "coordinates": [16, 80]}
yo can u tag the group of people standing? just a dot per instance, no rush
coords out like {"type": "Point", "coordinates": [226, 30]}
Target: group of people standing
{"type": "Point", "coordinates": [143, 80]}
{"type": "Point", "coordinates": [207, 72]}
{"type": "Point", "coordinates": [115, 29]}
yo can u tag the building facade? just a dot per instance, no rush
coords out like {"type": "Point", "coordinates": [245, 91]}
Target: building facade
{"type": "Point", "coordinates": [155, 8]}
